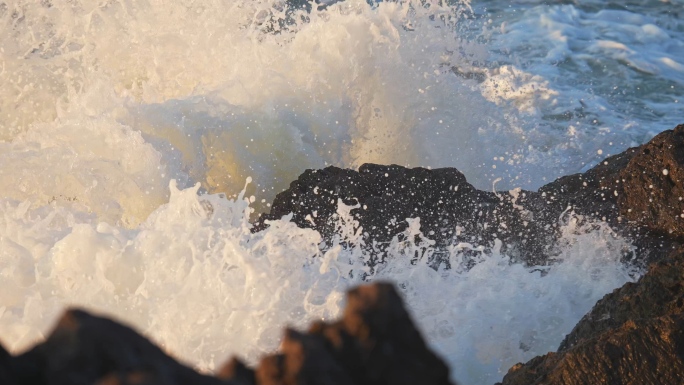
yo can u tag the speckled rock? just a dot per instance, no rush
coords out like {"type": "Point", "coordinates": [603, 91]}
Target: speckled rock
{"type": "Point", "coordinates": [637, 192]}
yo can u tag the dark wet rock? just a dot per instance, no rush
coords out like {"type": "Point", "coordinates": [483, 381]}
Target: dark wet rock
{"type": "Point", "coordinates": [629, 191]}
{"type": "Point", "coordinates": [634, 335]}
{"type": "Point", "coordinates": [237, 371]}
{"type": "Point", "coordinates": [639, 192]}
{"type": "Point", "coordinates": [86, 349]}
{"type": "Point", "coordinates": [375, 343]}
{"type": "Point", "coordinates": [6, 376]}
{"type": "Point", "coordinates": [450, 209]}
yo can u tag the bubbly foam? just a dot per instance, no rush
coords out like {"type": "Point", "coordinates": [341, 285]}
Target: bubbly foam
{"type": "Point", "coordinates": [196, 280]}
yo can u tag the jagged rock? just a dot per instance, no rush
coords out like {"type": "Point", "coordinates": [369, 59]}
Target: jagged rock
{"type": "Point", "coordinates": [448, 207]}
{"type": "Point", "coordinates": [658, 293]}
{"type": "Point", "coordinates": [631, 191]}
{"type": "Point", "coordinates": [640, 352]}
{"type": "Point", "coordinates": [304, 359]}
{"type": "Point", "coordinates": [375, 343]}
{"type": "Point", "coordinates": [634, 335]}
{"type": "Point", "coordinates": [85, 349]}
{"type": "Point", "coordinates": [237, 371]}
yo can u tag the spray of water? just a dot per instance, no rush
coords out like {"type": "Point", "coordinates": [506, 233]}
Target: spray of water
{"type": "Point", "coordinates": [195, 279]}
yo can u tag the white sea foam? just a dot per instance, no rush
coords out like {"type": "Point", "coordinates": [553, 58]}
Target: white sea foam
{"type": "Point", "coordinates": [196, 280]}
{"type": "Point", "coordinates": [103, 104]}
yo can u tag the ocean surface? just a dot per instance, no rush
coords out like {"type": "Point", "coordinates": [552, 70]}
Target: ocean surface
{"type": "Point", "coordinates": [138, 137]}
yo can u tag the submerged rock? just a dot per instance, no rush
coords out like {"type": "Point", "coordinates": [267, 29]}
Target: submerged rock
{"type": "Point", "coordinates": [638, 193]}
{"type": "Point", "coordinates": [375, 343]}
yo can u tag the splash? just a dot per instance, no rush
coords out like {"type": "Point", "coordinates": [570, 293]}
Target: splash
{"type": "Point", "coordinates": [196, 280]}
{"type": "Point", "coordinates": [232, 89]}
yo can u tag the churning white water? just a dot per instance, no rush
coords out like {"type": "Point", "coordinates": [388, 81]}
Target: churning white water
{"type": "Point", "coordinates": [111, 111]}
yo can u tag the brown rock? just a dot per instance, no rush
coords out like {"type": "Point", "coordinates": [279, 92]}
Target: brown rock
{"type": "Point", "coordinates": [375, 343]}
{"type": "Point", "coordinates": [304, 359]}
{"type": "Point", "coordinates": [84, 349]}
{"type": "Point", "coordinates": [631, 192]}
{"type": "Point", "coordinates": [390, 348]}
{"type": "Point", "coordinates": [658, 293]}
{"type": "Point", "coordinates": [640, 352]}
{"type": "Point", "coordinates": [634, 335]}
{"type": "Point", "coordinates": [654, 197]}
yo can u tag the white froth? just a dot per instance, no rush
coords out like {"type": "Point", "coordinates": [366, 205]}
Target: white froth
{"type": "Point", "coordinates": [196, 280]}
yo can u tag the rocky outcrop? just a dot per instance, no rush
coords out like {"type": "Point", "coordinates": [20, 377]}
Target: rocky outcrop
{"type": "Point", "coordinates": [638, 192]}
{"type": "Point", "coordinates": [658, 293]}
{"type": "Point", "coordinates": [639, 352]}
{"type": "Point", "coordinates": [375, 343]}
{"type": "Point", "coordinates": [634, 335]}
{"type": "Point", "coordinates": [448, 206]}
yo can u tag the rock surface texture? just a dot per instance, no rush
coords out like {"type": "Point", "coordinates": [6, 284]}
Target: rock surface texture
{"type": "Point", "coordinates": [375, 343]}
{"type": "Point", "coordinates": [634, 335]}
{"type": "Point", "coordinates": [638, 192]}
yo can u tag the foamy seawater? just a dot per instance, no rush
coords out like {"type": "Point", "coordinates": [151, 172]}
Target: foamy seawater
{"type": "Point", "coordinates": [128, 130]}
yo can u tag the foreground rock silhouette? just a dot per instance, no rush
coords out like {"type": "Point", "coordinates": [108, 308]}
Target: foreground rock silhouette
{"type": "Point", "coordinates": [375, 342]}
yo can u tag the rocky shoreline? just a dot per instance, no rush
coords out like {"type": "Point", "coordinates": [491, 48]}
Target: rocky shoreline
{"type": "Point", "coordinates": [634, 335]}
